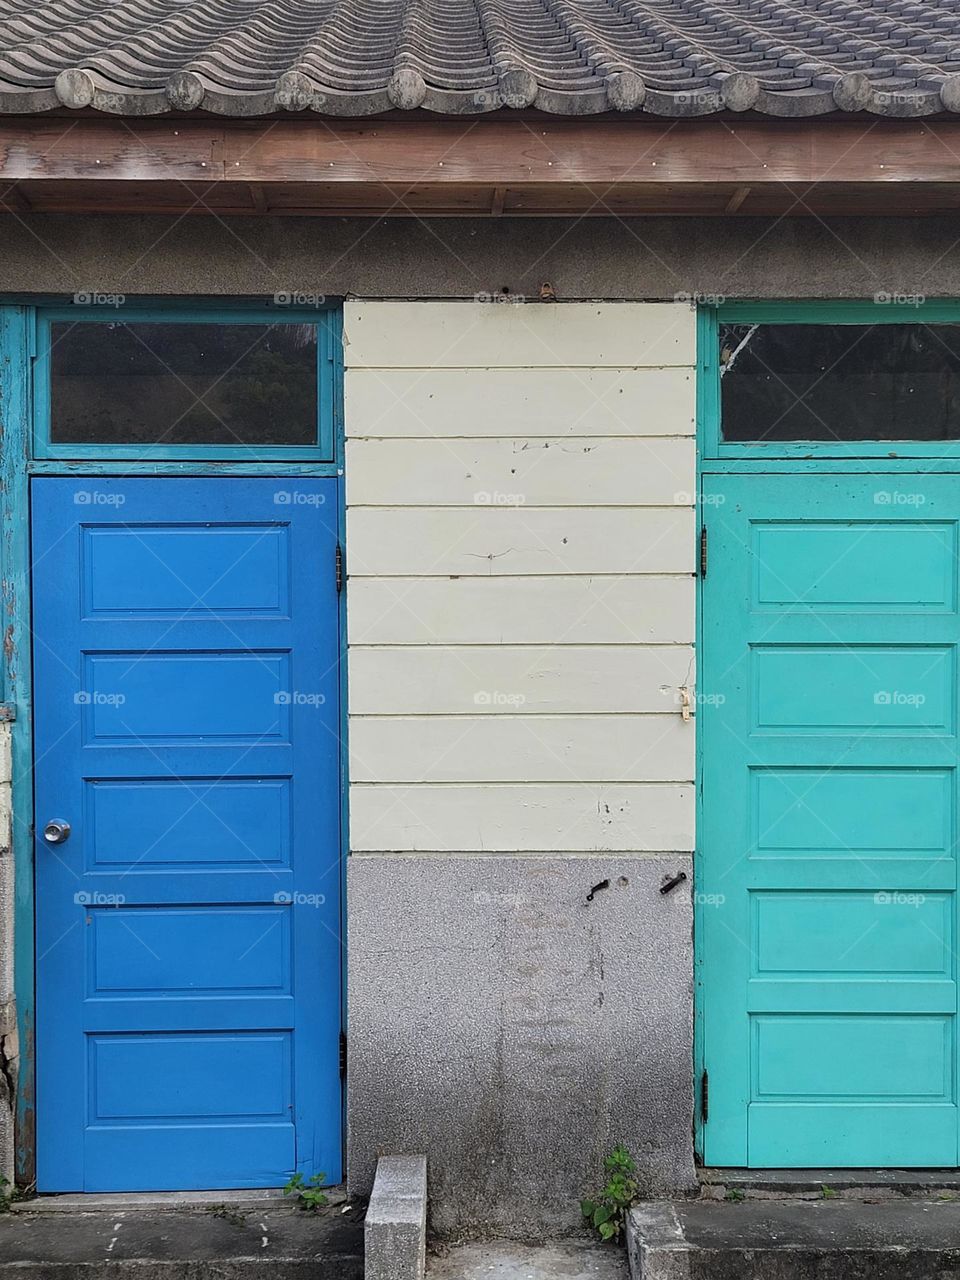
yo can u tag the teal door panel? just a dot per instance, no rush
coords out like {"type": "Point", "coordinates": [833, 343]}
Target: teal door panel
{"type": "Point", "coordinates": [827, 883]}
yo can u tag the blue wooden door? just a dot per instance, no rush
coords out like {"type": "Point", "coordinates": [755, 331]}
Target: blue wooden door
{"type": "Point", "coordinates": [188, 942]}
{"type": "Point", "coordinates": [827, 908]}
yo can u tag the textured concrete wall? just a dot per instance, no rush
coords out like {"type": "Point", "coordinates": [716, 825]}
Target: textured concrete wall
{"type": "Point", "coordinates": [448, 257]}
{"type": "Point", "coordinates": [520, 549]}
{"type": "Point", "coordinates": [514, 1030]}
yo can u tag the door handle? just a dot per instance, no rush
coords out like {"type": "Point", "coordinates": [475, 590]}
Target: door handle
{"type": "Point", "coordinates": [56, 831]}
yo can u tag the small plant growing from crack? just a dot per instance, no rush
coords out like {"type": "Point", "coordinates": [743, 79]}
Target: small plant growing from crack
{"type": "Point", "coordinates": [606, 1211]}
{"type": "Point", "coordinates": [828, 1193]}
{"type": "Point", "coordinates": [308, 1192]}
{"type": "Point", "coordinates": [229, 1214]}
{"type": "Point", "coordinates": [11, 1195]}
{"type": "Point", "coordinates": [734, 1195]}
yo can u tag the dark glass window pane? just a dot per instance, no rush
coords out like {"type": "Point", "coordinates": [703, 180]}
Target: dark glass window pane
{"type": "Point", "coordinates": [182, 384]}
{"type": "Point", "coordinates": [840, 382]}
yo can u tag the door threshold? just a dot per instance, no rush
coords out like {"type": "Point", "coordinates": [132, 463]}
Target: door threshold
{"type": "Point", "coordinates": [91, 1201]}
{"type": "Point", "coordinates": [792, 1181]}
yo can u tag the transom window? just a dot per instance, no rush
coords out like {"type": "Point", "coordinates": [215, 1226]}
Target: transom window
{"type": "Point", "coordinates": [839, 382]}
{"type": "Point", "coordinates": [136, 384]}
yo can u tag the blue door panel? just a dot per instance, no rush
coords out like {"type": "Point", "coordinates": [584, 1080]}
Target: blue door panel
{"type": "Point", "coordinates": [187, 713]}
{"type": "Point", "coordinates": [828, 879]}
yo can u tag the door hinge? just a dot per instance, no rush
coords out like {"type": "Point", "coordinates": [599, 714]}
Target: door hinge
{"type": "Point", "coordinates": [703, 551]}
{"type": "Point", "coordinates": [343, 1054]}
{"type": "Point", "coordinates": [338, 565]}
{"type": "Point", "coordinates": [704, 1097]}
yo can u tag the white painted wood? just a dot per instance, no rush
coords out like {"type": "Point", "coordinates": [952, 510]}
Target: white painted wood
{"type": "Point", "coordinates": [627, 817]}
{"type": "Point", "coordinates": [491, 679]}
{"type": "Point", "coordinates": [521, 610]}
{"type": "Point", "coordinates": [469, 403]}
{"type": "Point", "coordinates": [522, 748]}
{"type": "Point", "coordinates": [521, 472]}
{"type": "Point", "coordinates": [428, 335]}
{"type": "Point", "coordinates": [502, 541]}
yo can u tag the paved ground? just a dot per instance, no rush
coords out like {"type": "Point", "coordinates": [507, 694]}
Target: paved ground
{"type": "Point", "coordinates": [244, 1242]}
{"type": "Point", "coordinates": [829, 1239]}
{"type": "Point", "coordinates": [502, 1260]}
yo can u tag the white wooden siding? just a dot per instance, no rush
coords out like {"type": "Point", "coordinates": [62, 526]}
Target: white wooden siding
{"type": "Point", "coordinates": [521, 535]}
{"type": "Point", "coordinates": [557, 679]}
{"type": "Point", "coordinates": [513, 473]}
{"type": "Point", "coordinates": [476, 403]}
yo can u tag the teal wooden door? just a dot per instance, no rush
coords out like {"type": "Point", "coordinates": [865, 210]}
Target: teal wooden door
{"type": "Point", "coordinates": [827, 904]}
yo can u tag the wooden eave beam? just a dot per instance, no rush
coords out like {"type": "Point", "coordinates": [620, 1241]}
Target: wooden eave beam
{"type": "Point", "coordinates": [387, 157]}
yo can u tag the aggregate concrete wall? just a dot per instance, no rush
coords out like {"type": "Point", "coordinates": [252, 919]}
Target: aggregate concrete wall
{"type": "Point", "coordinates": [633, 258]}
{"type": "Point", "coordinates": [514, 1029]}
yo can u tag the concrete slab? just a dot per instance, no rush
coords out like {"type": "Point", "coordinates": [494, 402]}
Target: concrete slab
{"type": "Point", "coordinates": [228, 1242]}
{"type": "Point", "coordinates": [791, 1180]}
{"type": "Point", "coordinates": [505, 1260]}
{"type": "Point", "coordinates": [167, 1201]}
{"type": "Point", "coordinates": [795, 1240]}
{"type": "Point", "coordinates": [395, 1230]}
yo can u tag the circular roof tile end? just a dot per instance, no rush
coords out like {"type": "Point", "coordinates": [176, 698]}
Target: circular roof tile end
{"type": "Point", "coordinates": [74, 88]}
{"type": "Point", "coordinates": [407, 89]}
{"type": "Point", "coordinates": [518, 88]}
{"type": "Point", "coordinates": [853, 92]}
{"type": "Point", "coordinates": [185, 90]}
{"type": "Point", "coordinates": [625, 91]}
{"type": "Point", "coordinates": [740, 91]}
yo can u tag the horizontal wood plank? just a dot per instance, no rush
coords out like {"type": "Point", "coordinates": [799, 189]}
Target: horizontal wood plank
{"type": "Point", "coordinates": [625, 817]}
{"type": "Point", "coordinates": [618, 610]}
{"type": "Point", "coordinates": [493, 541]}
{"type": "Point", "coordinates": [521, 472]}
{"type": "Point", "coordinates": [522, 748]}
{"type": "Point", "coordinates": [502, 679]}
{"type": "Point", "coordinates": [432, 335]}
{"type": "Point", "coordinates": [463, 403]}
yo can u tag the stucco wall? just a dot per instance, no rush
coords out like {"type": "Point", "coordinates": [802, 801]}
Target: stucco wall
{"type": "Point", "coordinates": [637, 258]}
{"type": "Point", "coordinates": [520, 550]}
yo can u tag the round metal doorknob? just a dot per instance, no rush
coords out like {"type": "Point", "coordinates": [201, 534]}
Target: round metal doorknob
{"type": "Point", "coordinates": [57, 831]}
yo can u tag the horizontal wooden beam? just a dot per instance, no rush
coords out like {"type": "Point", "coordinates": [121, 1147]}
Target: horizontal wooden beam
{"type": "Point", "coordinates": [481, 166]}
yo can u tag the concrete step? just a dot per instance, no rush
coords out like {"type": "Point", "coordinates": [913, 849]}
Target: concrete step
{"type": "Point", "coordinates": [830, 1239]}
{"type": "Point", "coordinates": [218, 1241]}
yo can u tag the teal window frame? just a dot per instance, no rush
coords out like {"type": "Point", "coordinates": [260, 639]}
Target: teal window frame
{"type": "Point", "coordinates": [714, 447]}
{"type": "Point", "coordinates": [329, 350]}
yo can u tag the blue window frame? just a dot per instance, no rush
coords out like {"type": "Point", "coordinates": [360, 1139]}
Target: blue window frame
{"type": "Point", "coordinates": [51, 324]}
